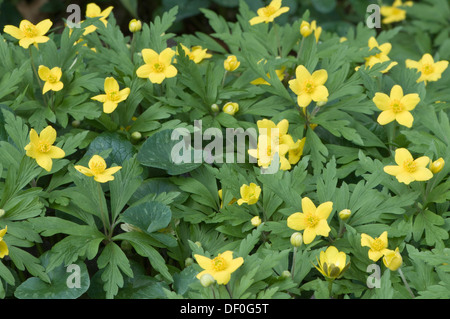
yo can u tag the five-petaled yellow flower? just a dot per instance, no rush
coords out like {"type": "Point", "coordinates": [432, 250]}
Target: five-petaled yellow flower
{"type": "Point", "coordinates": [309, 87]}
{"type": "Point", "coordinates": [430, 71]}
{"type": "Point", "coordinates": [396, 106]}
{"type": "Point", "coordinates": [157, 67]}
{"type": "Point", "coordinates": [307, 28]}
{"type": "Point", "coordinates": [196, 53]}
{"type": "Point", "coordinates": [409, 169]}
{"type": "Point", "coordinates": [378, 246]}
{"type": "Point", "coordinates": [313, 220]}
{"type": "Point", "coordinates": [113, 95]}
{"type": "Point", "coordinates": [394, 13]}
{"type": "Point", "coordinates": [249, 194]}
{"type": "Point", "coordinates": [4, 251]}
{"type": "Point", "coordinates": [220, 267]}
{"type": "Point", "coordinates": [380, 57]}
{"type": "Point", "coordinates": [51, 77]}
{"type": "Point", "coordinates": [41, 147]}
{"type": "Point", "coordinates": [27, 33]}
{"type": "Point", "coordinates": [269, 13]}
{"type": "Point", "coordinates": [332, 263]}
{"type": "Point", "coordinates": [97, 168]}
{"type": "Point", "coordinates": [94, 11]}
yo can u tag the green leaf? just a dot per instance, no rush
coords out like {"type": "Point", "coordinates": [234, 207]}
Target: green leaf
{"type": "Point", "coordinates": [148, 216]}
{"type": "Point", "coordinates": [121, 148]}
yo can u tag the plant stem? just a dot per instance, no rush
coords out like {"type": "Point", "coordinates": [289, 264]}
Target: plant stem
{"type": "Point", "coordinates": [213, 292]}
{"type": "Point", "coordinates": [330, 287]}
{"type": "Point", "coordinates": [36, 74]}
{"type": "Point", "coordinates": [400, 272]}
{"type": "Point", "coordinates": [293, 262]}
{"type": "Point", "coordinates": [224, 77]}
{"type": "Point", "coordinates": [229, 291]}
{"type": "Point", "coordinates": [100, 202]}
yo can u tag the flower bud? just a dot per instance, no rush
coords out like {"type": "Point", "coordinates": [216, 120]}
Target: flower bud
{"type": "Point", "coordinates": [207, 280]}
{"type": "Point", "coordinates": [230, 108]}
{"type": "Point", "coordinates": [231, 63]}
{"type": "Point", "coordinates": [296, 239]}
{"type": "Point", "coordinates": [345, 214]}
{"type": "Point", "coordinates": [286, 274]}
{"type": "Point", "coordinates": [256, 221]}
{"type": "Point", "coordinates": [136, 136]}
{"type": "Point", "coordinates": [437, 165]}
{"type": "Point", "coordinates": [321, 103]}
{"type": "Point", "coordinates": [393, 260]}
{"type": "Point", "coordinates": [135, 25]}
{"type": "Point", "coordinates": [215, 108]}
{"type": "Point", "coordinates": [199, 244]}
{"type": "Point", "coordinates": [76, 123]}
{"type": "Point", "coordinates": [2, 212]}
{"type": "Point", "coordinates": [305, 29]}
{"type": "Point", "coordinates": [189, 261]}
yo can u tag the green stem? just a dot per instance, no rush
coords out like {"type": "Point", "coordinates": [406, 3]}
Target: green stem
{"type": "Point", "coordinates": [400, 272]}
{"type": "Point", "coordinates": [275, 27]}
{"type": "Point", "coordinates": [301, 47]}
{"type": "Point", "coordinates": [229, 291]}
{"type": "Point", "coordinates": [105, 228]}
{"type": "Point", "coordinates": [293, 262]}
{"type": "Point", "coordinates": [213, 292]}
{"type": "Point", "coordinates": [330, 287]}
{"type": "Point", "coordinates": [224, 77]}
{"type": "Point", "coordinates": [36, 74]}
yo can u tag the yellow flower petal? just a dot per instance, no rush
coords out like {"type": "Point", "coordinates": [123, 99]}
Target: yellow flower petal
{"type": "Point", "coordinates": [48, 134]}
{"type": "Point", "coordinates": [43, 26]}
{"type": "Point", "coordinates": [296, 221]}
{"type": "Point", "coordinates": [308, 206]}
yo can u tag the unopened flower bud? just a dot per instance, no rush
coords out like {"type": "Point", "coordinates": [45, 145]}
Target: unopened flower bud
{"type": "Point", "coordinates": [199, 244]}
{"type": "Point", "coordinates": [286, 274]}
{"type": "Point", "coordinates": [76, 123]}
{"type": "Point", "coordinates": [256, 221]}
{"type": "Point", "coordinates": [207, 280]}
{"type": "Point", "coordinates": [136, 136]}
{"type": "Point", "coordinates": [135, 25]}
{"type": "Point", "coordinates": [345, 214]}
{"type": "Point", "coordinates": [230, 108]}
{"type": "Point", "coordinates": [296, 239]}
{"type": "Point", "coordinates": [189, 261]}
{"type": "Point", "coordinates": [305, 29]}
{"type": "Point", "coordinates": [321, 103]}
{"type": "Point", "coordinates": [231, 63]}
{"type": "Point", "coordinates": [215, 108]}
{"type": "Point", "coordinates": [437, 165]}
{"type": "Point", "coordinates": [2, 212]}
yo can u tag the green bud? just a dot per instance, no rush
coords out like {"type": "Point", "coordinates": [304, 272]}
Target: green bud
{"type": "Point", "coordinates": [189, 261]}
{"type": "Point", "coordinates": [207, 280]}
{"type": "Point", "coordinates": [345, 214]}
{"type": "Point", "coordinates": [296, 239]}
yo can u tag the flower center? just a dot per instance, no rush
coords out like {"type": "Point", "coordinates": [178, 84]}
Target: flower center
{"type": "Point", "coordinates": [219, 264]}
{"type": "Point", "coordinates": [43, 147]}
{"type": "Point", "coordinates": [397, 107]}
{"type": "Point", "coordinates": [113, 96]}
{"type": "Point", "coordinates": [52, 79]}
{"type": "Point", "coordinates": [97, 168]}
{"type": "Point", "coordinates": [410, 166]}
{"type": "Point", "coordinates": [377, 244]}
{"type": "Point", "coordinates": [30, 31]}
{"type": "Point", "coordinates": [309, 87]}
{"type": "Point", "coordinates": [311, 221]}
{"type": "Point", "coordinates": [268, 11]}
{"type": "Point", "coordinates": [427, 69]}
{"type": "Point", "coordinates": [158, 68]}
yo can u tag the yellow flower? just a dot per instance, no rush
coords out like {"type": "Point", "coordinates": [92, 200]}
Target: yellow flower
{"type": "Point", "coordinates": [271, 143]}
{"type": "Point", "coordinates": [51, 78]}
{"type": "Point", "coordinates": [332, 263]}
{"type": "Point", "coordinates": [230, 108]}
{"type": "Point", "coordinates": [396, 106]}
{"type": "Point", "coordinates": [249, 194]}
{"type": "Point", "coordinates": [342, 39]}
{"type": "Point", "coordinates": [135, 25]}
{"type": "Point", "coordinates": [409, 169]}
{"type": "Point", "coordinates": [231, 63]}
{"type": "Point", "coordinates": [437, 165]}
{"type": "Point", "coordinates": [306, 29]}
{"type": "Point", "coordinates": [309, 87]}
{"type": "Point", "coordinates": [28, 33]}
{"type": "Point", "coordinates": [256, 221]}
{"type": "Point", "coordinates": [4, 251]}
{"type": "Point", "coordinates": [157, 67]}
{"type": "Point", "coordinates": [430, 71]}
{"type": "Point", "coordinates": [220, 267]}
{"type": "Point", "coordinates": [41, 147]}
{"type": "Point", "coordinates": [296, 151]}
{"type": "Point", "coordinates": [269, 13]}
{"type": "Point", "coordinates": [378, 246]}
{"type": "Point", "coordinates": [312, 220]}
{"type": "Point", "coordinates": [196, 53]}
{"type": "Point", "coordinates": [394, 13]}
{"type": "Point", "coordinates": [381, 57]}
{"type": "Point", "coordinates": [113, 95]}
{"type": "Point", "coordinates": [97, 168]}
{"type": "Point", "coordinates": [279, 73]}
{"type": "Point", "coordinates": [94, 11]}
{"type": "Point", "coordinates": [392, 259]}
